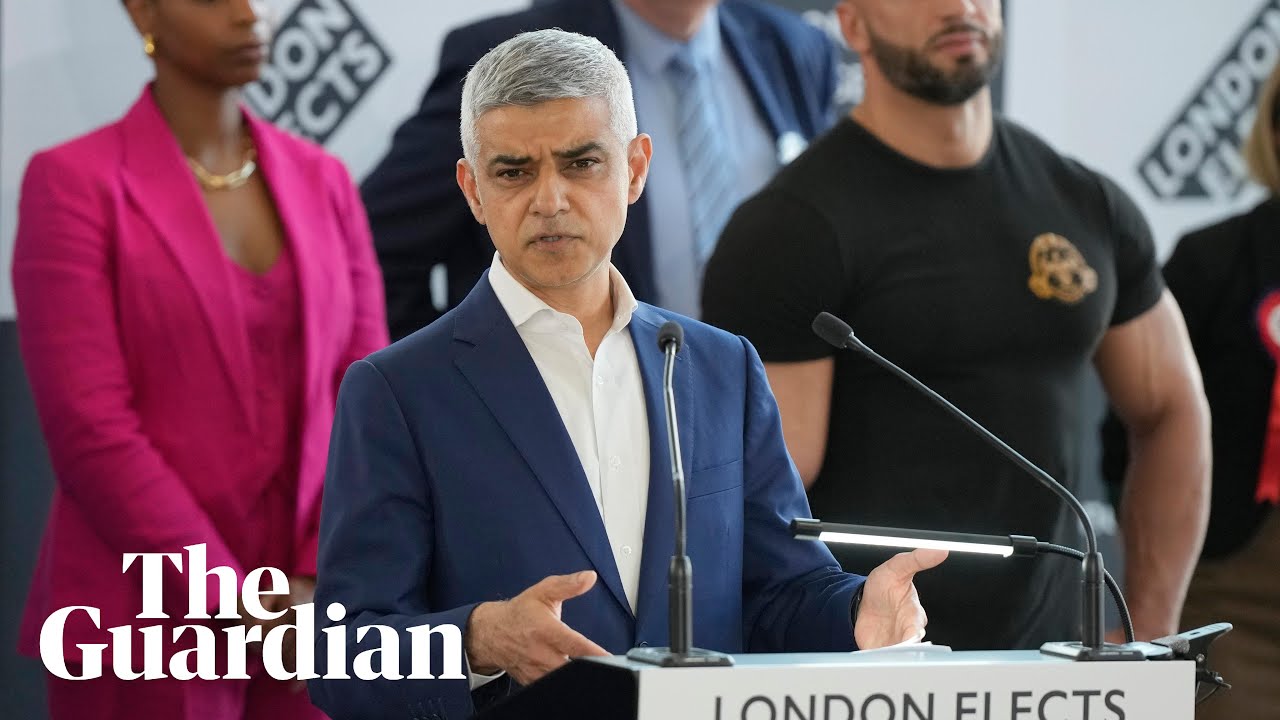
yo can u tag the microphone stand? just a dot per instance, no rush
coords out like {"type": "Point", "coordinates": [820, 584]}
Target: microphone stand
{"type": "Point", "coordinates": [1092, 645]}
{"type": "Point", "coordinates": [680, 652]}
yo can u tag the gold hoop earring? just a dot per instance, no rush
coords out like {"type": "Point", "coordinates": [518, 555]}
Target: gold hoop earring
{"type": "Point", "coordinates": [148, 45]}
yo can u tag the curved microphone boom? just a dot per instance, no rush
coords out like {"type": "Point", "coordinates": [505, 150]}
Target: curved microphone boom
{"type": "Point", "coordinates": [1092, 645]}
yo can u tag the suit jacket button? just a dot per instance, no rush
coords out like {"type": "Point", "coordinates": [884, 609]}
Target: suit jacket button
{"type": "Point", "coordinates": [644, 644]}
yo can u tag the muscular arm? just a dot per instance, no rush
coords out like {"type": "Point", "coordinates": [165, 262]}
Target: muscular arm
{"type": "Point", "coordinates": [803, 391]}
{"type": "Point", "coordinates": [1153, 382]}
{"type": "Point", "coordinates": [770, 292]}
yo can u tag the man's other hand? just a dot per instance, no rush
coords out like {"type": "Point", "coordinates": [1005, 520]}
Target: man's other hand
{"type": "Point", "coordinates": [890, 612]}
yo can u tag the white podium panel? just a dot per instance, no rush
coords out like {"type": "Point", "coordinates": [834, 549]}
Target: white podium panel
{"type": "Point", "coordinates": [916, 685]}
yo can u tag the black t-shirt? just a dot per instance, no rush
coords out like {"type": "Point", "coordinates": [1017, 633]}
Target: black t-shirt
{"type": "Point", "coordinates": [992, 284]}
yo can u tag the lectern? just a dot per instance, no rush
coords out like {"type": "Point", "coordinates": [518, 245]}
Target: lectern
{"type": "Point", "coordinates": [894, 684]}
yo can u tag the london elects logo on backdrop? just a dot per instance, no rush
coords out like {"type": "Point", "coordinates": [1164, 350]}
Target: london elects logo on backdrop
{"type": "Point", "coordinates": [1198, 154]}
{"type": "Point", "coordinates": [323, 61]}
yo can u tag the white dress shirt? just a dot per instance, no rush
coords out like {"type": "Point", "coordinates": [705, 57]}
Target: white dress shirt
{"type": "Point", "coordinates": [601, 403]}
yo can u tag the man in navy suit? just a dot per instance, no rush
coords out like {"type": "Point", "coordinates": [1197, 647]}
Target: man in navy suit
{"type": "Point", "coordinates": [504, 470]}
{"type": "Point", "coordinates": [768, 87]}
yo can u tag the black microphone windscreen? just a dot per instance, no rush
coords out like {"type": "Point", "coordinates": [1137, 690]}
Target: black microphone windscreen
{"type": "Point", "coordinates": [832, 329]}
{"type": "Point", "coordinates": [670, 332]}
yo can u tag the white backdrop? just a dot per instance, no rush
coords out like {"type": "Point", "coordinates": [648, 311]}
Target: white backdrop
{"type": "Point", "coordinates": [1104, 81]}
{"type": "Point", "coordinates": [71, 65]}
{"type": "Point", "coordinates": [1111, 82]}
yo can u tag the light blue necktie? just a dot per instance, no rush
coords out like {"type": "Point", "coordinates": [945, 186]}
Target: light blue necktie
{"type": "Point", "coordinates": [708, 170]}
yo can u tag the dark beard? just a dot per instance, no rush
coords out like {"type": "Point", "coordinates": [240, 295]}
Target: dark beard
{"type": "Point", "coordinates": [909, 71]}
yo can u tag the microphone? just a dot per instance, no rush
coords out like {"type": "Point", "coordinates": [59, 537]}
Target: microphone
{"type": "Point", "coordinates": [1092, 645]}
{"type": "Point", "coordinates": [670, 337]}
{"type": "Point", "coordinates": [680, 575]}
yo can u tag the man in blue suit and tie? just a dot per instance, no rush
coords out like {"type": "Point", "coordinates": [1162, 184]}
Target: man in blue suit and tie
{"type": "Point", "coordinates": [759, 77]}
{"type": "Point", "coordinates": [505, 469]}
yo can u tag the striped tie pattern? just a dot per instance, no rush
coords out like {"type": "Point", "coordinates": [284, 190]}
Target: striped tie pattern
{"type": "Point", "coordinates": [708, 170]}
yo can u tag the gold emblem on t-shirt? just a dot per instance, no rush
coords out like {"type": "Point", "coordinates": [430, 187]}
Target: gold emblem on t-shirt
{"type": "Point", "coordinates": [1058, 270]}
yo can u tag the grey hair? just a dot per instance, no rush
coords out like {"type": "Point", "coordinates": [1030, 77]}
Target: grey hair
{"type": "Point", "coordinates": [536, 67]}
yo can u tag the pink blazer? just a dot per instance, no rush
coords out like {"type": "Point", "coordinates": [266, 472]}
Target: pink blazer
{"type": "Point", "coordinates": [139, 360]}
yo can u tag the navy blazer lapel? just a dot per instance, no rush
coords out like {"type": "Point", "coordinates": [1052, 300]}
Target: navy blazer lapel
{"type": "Point", "coordinates": [595, 18]}
{"type": "Point", "coordinates": [659, 526]}
{"type": "Point", "coordinates": [762, 89]}
{"type": "Point", "coordinates": [499, 367]}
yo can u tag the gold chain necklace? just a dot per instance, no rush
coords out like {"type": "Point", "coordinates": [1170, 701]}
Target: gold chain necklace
{"type": "Point", "coordinates": [231, 180]}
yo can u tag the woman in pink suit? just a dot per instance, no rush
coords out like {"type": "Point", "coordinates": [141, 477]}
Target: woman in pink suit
{"type": "Point", "coordinates": [192, 283]}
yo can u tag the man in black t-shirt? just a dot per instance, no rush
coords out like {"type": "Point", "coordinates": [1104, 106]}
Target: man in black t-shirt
{"type": "Point", "coordinates": [966, 250]}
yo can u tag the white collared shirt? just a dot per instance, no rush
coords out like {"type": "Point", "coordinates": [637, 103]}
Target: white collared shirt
{"type": "Point", "coordinates": [601, 402]}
